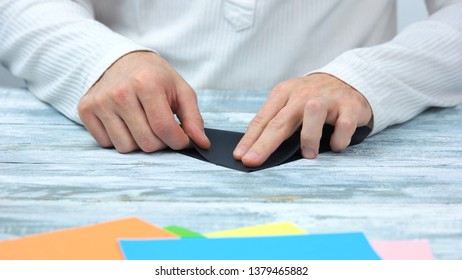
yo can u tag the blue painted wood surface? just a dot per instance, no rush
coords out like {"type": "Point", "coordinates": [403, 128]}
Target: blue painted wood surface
{"type": "Point", "coordinates": [404, 183]}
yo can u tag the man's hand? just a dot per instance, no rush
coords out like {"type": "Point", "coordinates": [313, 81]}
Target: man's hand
{"type": "Point", "coordinates": [132, 107]}
{"type": "Point", "coordinates": [309, 102]}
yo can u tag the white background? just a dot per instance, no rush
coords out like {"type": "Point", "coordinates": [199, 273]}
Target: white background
{"type": "Point", "coordinates": [145, 270]}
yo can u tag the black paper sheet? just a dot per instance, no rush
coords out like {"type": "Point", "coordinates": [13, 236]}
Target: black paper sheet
{"type": "Point", "coordinates": [224, 142]}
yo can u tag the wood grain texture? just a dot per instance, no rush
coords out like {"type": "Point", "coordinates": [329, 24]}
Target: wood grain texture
{"type": "Point", "coordinates": [404, 183]}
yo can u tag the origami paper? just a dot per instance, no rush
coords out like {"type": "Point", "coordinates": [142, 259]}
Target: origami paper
{"type": "Point", "coordinates": [281, 228]}
{"type": "Point", "coordinates": [92, 242]}
{"type": "Point", "coordinates": [403, 249]}
{"type": "Point", "coordinates": [223, 143]}
{"type": "Point", "coordinates": [182, 232]}
{"type": "Point", "coordinates": [341, 246]}
{"type": "Point", "coordinates": [387, 250]}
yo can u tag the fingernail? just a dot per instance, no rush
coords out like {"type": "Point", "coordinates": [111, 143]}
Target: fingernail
{"type": "Point", "coordinates": [251, 155]}
{"type": "Point", "coordinates": [239, 151]}
{"type": "Point", "coordinates": [308, 153]}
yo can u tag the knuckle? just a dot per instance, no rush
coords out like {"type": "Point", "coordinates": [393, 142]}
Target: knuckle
{"type": "Point", "coordinates": [142, 79]}
{"type": "Point", "coordinates": [285, 86]}
{"type": "Point", "coordinates": [277, 124]}
{"type": "Point", "coordinates": [159, 127]}
{"type": "Point", "coordinates": [84, 107]}
{"type": "Point", "coordinates": [299, 98]}
{"type": "Point", "coordinates": [147, 143]}
{"type": "Point", "coordinates": [314, 106]}
{"type": "Point", "coordinates": [306, 90]}
{"type": "Point", "coordinates": [281, 87]}
{"type": "Point", "coordinates": [157, 85]}
{"type": "Point", "coordinates": [258, 121]}
{"type": "Point", "coordinates": [120, 94]}
{"type": "Point", "coordinates": [346, 124]}
{"type": "Point", "coordinates": [99, 103]}
{"type": "Point", "coordinates": [148, 147]}
{"type": "Point", "coordinates": [153, 81]}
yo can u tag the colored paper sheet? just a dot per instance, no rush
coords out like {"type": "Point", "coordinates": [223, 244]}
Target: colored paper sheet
{"type": "Point", "coordinates": [341, 246]}
{"type": "Point", "coordinates": [282, 228]}
{"type": "Point", "coordinates": [92, 242]}
{"type": "Point", "coordinates": [403, 249]}
{"type": "Point", "coordinates": [387, 250]}
{"type": "Point", "coordinates": [182, 232]}
{"type": "Point", "coordinates": [223, 144]}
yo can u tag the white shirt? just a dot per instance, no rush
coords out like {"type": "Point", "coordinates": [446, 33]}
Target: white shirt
{"type": "Point", "coordinates": [62, 47]}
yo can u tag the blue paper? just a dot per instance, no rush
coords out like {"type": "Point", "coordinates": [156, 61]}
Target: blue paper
{"type": "Point", "coordinates": [339, 246]}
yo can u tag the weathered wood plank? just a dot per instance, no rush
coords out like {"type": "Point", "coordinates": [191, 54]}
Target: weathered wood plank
{"type": "Point", "coordinates": [403, 183]}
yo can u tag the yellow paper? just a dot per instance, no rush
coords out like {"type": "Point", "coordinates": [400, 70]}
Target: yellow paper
{"type": "Point", "coordinates": [281, 228]}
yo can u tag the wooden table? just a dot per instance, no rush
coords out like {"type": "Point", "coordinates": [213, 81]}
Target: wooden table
{"type": "Point", "coordinates": [404, 183]}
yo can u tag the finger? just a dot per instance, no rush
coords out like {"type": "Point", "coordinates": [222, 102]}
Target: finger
{"type": "Point", "coordinates": [160, 118]}
{"type": "Point", "coordinates": [314, 117]}
{"type": "Point", "coordinates": [138, 125]}
{"type": "Point", "coordinates": [275, 102]}
{"type": "Point", "coordinates": [345, 127]}
{"type": "Point", "coordinates": [281, 127]}
{"type": "Point", "coordinates": [96, 129]}
{"type": "Point", "coordinates": [190, 117]}
{"type": "Point", "coordinates": [118, 133]}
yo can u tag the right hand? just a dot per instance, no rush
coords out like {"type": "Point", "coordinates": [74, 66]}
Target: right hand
{"type": "Point", "coordinates": [133, 104]}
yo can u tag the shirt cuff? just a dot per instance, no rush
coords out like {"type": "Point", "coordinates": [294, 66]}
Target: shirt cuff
{"type": "Point", "coordinates": [108, 52]}
{"type": "Point", "coordinates": [373, 84]}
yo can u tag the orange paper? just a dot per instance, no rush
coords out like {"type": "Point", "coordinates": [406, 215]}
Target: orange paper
{"type": "Point", "coordinates": [94, 242]}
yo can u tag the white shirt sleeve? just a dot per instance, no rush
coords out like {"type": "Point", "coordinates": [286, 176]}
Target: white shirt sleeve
{"type": "Point", "coordinates": [58, 48]}
{"type": "Point", "coordinates": [421, 67]}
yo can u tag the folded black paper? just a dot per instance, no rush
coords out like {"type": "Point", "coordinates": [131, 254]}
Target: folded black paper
{"type": "Point", "coordinates": [224, 142]}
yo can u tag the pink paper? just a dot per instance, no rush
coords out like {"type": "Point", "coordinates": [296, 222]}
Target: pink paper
{"type": "Point", "coordinates": [403, 249]}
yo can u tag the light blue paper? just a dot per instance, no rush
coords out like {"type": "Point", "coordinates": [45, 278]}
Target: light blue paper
{"type": "Point", "coordinates": [338, 246]}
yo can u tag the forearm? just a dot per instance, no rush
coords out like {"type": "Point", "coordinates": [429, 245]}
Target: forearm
{"type": "Point", "coordinates": [58, 48]}
{"type": "Point", "coordinates": [418, 69]}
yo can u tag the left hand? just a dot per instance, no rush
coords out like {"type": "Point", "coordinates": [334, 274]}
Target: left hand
{"type": "Point", "coordinates": [310, 102]}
